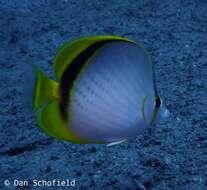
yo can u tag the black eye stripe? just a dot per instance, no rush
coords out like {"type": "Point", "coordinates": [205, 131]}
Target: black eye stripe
{"type": "Point", "coordinates": [157, 102]}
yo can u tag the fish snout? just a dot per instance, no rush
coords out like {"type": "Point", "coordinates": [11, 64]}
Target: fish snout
{"type": "Point", "coordinates": [164, 113]}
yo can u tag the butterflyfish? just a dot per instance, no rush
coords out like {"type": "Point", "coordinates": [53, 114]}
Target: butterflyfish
{"type": "Point", "coordinates": [104, 91]}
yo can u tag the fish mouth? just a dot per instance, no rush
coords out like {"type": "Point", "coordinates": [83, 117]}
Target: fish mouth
{"type": "Point", "coordinates": [165, 113]}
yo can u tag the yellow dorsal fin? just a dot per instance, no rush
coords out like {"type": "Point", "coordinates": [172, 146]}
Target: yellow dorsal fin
{"type": "Point", "coordinates": [71, 50]}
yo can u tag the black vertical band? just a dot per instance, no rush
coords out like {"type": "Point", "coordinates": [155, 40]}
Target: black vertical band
{"type": "Point", "coordinates": [72, 71]}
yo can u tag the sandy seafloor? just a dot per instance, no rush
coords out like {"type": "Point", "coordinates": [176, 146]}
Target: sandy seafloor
{"type": "Point", "coordinates": [173, 157]}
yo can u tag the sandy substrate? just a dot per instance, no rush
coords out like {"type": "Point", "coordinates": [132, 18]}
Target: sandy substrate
{"type": "Point", "coordinates": [173, 157]}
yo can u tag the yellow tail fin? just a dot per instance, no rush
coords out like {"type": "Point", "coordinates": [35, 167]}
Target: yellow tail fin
{"type": "Point", "coordinates": [44, 91]}
{"type": "Point", "coordinates": [45, 102]}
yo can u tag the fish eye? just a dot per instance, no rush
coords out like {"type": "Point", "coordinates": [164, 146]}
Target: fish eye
{"type": "Point", "coordinates": [157, 102]}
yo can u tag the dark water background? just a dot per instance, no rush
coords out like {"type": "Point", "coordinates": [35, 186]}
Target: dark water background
{"type": "Point", "coordinates": [173, 157]}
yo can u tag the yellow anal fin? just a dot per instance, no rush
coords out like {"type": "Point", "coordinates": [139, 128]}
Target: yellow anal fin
{"type": "Point", "coordinates": [50, 121]}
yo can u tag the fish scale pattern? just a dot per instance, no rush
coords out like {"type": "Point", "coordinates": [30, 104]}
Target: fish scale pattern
{"type": "Point", "coordinates": [107, 96]}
